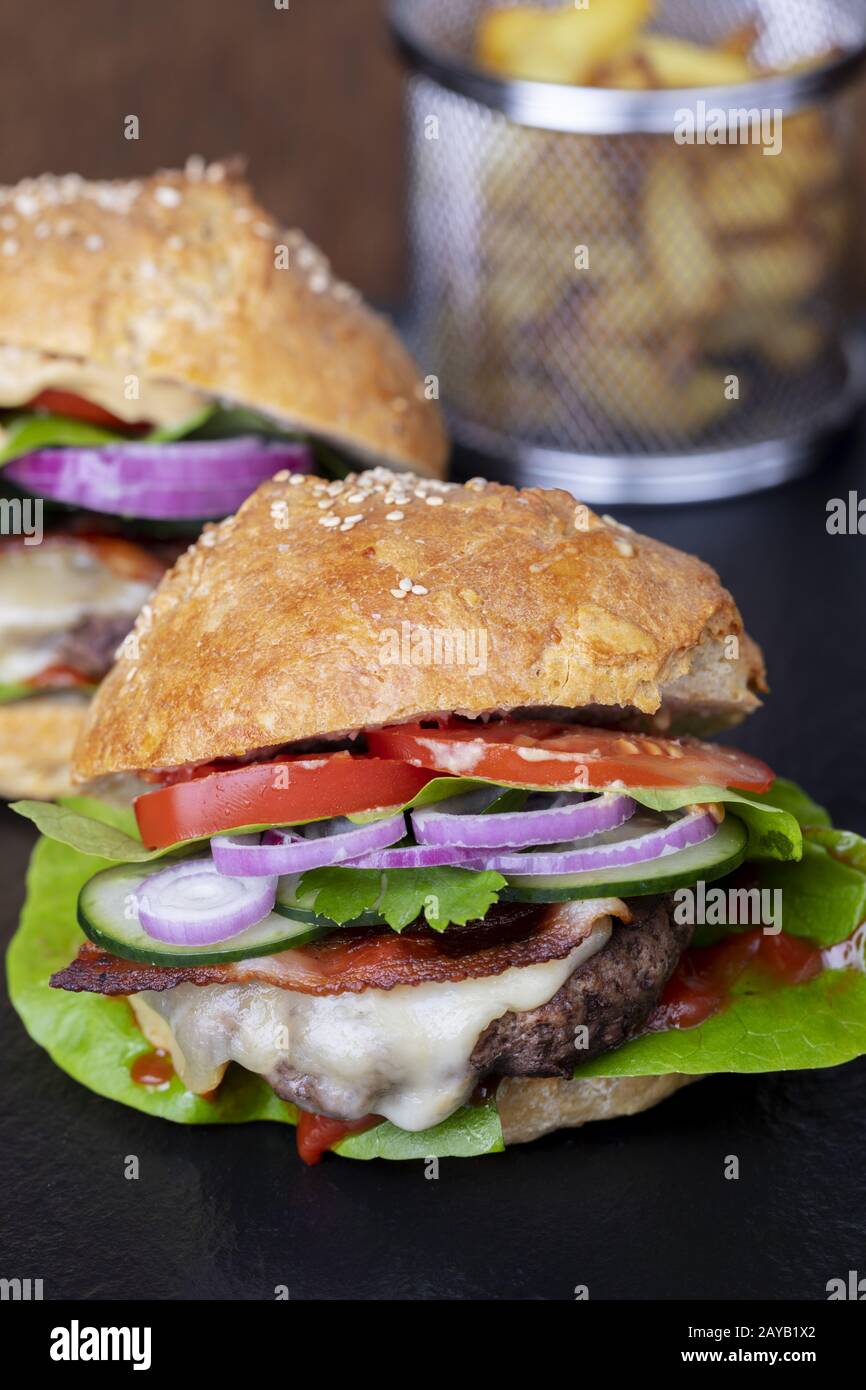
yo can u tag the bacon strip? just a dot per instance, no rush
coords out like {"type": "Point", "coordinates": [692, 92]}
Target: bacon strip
{"type": "Point", "coordinates": [355, 959]}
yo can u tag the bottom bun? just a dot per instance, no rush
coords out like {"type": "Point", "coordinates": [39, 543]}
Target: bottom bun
{"type": "Point", "coordinates": [37, 736]}
{"type": "Point", "coordinates": [532, 1106]}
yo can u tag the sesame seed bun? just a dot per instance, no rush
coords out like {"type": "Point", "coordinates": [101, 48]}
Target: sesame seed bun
{"type": "Point", "coordinates": [183, 278]}
{"type": "Point", "coordinates": [37, 736]}
{"type": "Point", "coordinates": [281, 623]}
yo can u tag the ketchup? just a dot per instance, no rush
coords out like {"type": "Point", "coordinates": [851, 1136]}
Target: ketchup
{"type": "Point", "coordinates": [702, 983]}
{"type": "Point", "coordinates": [317, 1133]}
{"type": "Point", "coordinates": [152, 1069]}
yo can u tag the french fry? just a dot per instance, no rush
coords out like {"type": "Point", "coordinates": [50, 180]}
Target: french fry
{"type": "Point", "coordinates": [679, 63]}
{"type": "Point", "coordinates": [741, 40]}
{"type": "Point", "coordinates": [779, 270]}
{"type": "Point", "coordinates": [564, 44]}
{"type": "Point", "coordinates": [832, 221]}
{"type": "Point", "coordinates": [809, 160]}
{"type": "Point", "coordinates": [501, 35]}
{"type": "Point", "coordinates": [627, 309]}
{"type": "Point", "coordinates": [629, 72]}
{"type": "Point", "coordinates": [686, 258]}
{"type": "Point", "coordinates": [746, 195]}
{"type": "Point", "coordinates": [637, 388]}
{"type": "Point", "coordinates": [792, 342]}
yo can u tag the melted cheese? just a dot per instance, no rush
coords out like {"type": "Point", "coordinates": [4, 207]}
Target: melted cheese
{"type": "Point", "coordinates": [24, 373]}
{"type": "Point", "coordinates": [44, 591]}
{"type": "Point", "coordinates": [402, 1053]}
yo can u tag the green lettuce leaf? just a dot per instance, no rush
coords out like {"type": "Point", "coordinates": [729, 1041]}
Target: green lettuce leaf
{"type": "Point", "coordinates": [95, 1040]}
{"type": "Point", "coordinates": [779, 1027]}
{"type": "Point", "coordinates": [15, 690]}
{"type": "Point", "coordinates": [823, 899]}
{"type": "Point", "coordinates": [787, 796]}
{"type": "Point", "coordinates": [76, 822]}
{"type": "Point", "coordinates": [774, 832]}
{"type": "Point", "coordinates": [470, 1131]}
{"type": "Point", "coordinates": [764, 1028]}
{"type": "Point", "coordinates": [25, 433]}
{"type": "Point", "coordinates": [401, 895]}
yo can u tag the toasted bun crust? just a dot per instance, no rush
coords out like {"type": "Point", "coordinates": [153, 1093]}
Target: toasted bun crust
{"type": "Point", "coordinates": [37, 736]}
{"type": "Point", "coordinates": [532, 1106]}
{"type": "Point", "coordinates": [177, 277]}
{"type": "Point", "coordinates": [285, 622]}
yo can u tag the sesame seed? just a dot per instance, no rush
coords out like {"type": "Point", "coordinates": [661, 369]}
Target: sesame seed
{"type": "Point", "coordinates": [296, 479]}
{"type": "Point", "coordinates": [395, 516]}
{"type": "Point", "coordinates": [9, 246]}
{"type": "Point", "coordinates": [399, 593]}
{"type": "Point", "coordinates": [354, 519]}
{"type": "Point", "coordinates": [406, 585]}
{"type": "Point", "coordinates": [94, 242]}
{"type": "Point", "coordinates": [166, 195]}
{"type": "Point", "coordinates": [419, 589]}
{"type": "Point", "coordinates": [329, 521]}
{"type": "Point", "coordinates": [324, 505]}
{"type": "Point", "coordinates": [434, 501]}
{"type": "Point", "coordinates": [357, 497]}
{"type": "Point", "coordinates": [282, 476]}
{"type": "Point", "coordinates": [195, 166]}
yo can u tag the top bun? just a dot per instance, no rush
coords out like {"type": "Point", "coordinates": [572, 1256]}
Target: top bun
{"type": "Point", "coordinates": [179, 277]}
{"type": "Point", "coordinates": [305, 615]}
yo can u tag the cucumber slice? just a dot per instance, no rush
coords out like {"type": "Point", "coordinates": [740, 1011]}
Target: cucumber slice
{"type": "Point", "coordinates": [720, 854]}
{"type": "Point", "coordinates": [103, 906]}
{"type": "Point", "coordinates": [289, 904]}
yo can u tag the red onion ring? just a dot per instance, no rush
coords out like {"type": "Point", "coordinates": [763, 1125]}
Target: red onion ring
{"type": "Point", "coordinates": [170, 481]}
{"type": "Point", "coordinates": [679, 834]}
{"type": "Point", "coordinates": [572, 819]}
{"type": "Point", "coordinates": [293, 851]}
{"type": "Point", "coordinates": [190, 904]}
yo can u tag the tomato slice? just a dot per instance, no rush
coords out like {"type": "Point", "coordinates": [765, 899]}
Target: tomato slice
{"type": "Point", "coordinates": [275, 793]}
{"type": "Point", "coordinates": [60, 677]}
{"type": "Point", "coordinates": [75, 407]}
{"type": "Point", "coordinates": [534, 752]}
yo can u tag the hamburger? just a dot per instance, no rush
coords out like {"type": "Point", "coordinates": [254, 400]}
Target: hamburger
{"type": "Point", "coordinates": [427, 864]}
{"type": "Point", "coordinates": [165, 347]}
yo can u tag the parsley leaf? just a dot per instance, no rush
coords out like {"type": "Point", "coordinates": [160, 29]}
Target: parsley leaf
{"type": "Point", "coordinates": [400, 896]}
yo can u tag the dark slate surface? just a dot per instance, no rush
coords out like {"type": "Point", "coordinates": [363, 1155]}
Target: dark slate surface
{"type": "Point", "coordinates": [633, 1208]}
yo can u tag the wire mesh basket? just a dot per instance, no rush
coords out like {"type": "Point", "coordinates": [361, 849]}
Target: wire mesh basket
{"type": "Point", "coordinates": [615, 307]}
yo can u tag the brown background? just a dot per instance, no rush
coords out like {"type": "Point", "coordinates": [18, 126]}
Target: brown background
{"type": "Point", "coordinates": [310, 94]}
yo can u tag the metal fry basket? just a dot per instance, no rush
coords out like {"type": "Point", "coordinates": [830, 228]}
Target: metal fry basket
{"type": "Point", "coordinates": [613, 307]}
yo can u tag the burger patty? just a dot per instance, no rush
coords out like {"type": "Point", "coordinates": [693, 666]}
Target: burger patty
{"type": "Point", "coordinates": [90, 645]}
{"type": "Point", "coordinates": [611, 995]}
